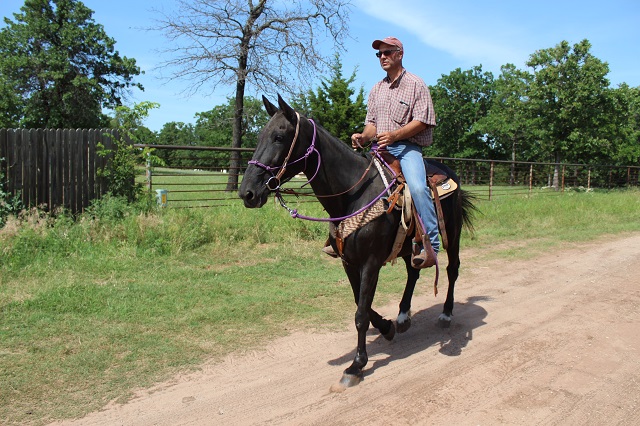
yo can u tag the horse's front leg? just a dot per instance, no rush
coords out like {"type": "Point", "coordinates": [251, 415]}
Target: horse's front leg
{"type": "Point", "coordinates": [363, 284]}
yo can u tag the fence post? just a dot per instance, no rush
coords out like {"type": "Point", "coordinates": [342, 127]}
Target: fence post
{"type": "Point", "coordinates": [610, 178]}
{"type": "Point", "coordinates": [530, 179]}
{"type": "Point", "coordinates": [148, 172]}
{"type": "Point", "coordinates": [589, 180]}
{"type": "Point", "coordinates": [564, 168]}
{"type": "Point", "coordinates": [491, 180]}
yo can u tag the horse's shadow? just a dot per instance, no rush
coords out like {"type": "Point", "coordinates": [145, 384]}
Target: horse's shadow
{"type": "Point", "coordinates": [424, 333]}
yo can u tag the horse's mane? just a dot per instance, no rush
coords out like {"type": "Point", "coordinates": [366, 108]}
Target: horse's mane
{"type": "Point", "coordinates": [344, 148]}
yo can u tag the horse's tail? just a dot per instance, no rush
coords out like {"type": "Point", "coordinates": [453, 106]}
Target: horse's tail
{"type": "Point", "coordinates": [468, 209]}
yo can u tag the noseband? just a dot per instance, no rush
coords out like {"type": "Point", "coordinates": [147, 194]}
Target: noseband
{"type": "Point", "coordinates": [273, 183]}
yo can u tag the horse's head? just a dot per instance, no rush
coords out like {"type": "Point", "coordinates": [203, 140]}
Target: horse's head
{"type": "Point", "coordinates": [274, 161]}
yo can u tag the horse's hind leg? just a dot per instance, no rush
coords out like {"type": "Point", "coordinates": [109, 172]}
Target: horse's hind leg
{"type": "Point", "coordinates": [384, 326]}
{"type": "Point", "coordinates": [403, 322]}
{"type": "Point", "coordinates": [454, 229]}
{"type": "Point", "coordinates": [452, 274]}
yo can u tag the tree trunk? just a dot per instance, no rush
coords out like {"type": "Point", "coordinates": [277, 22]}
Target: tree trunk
{"type": "Point", "coordinates": [234, 163]}
{"type": "Point", "coordinates": [556, 172]}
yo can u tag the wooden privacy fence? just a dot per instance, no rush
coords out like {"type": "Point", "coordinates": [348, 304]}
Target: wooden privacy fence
{"type": "Point", "coordinates": [52, 168]}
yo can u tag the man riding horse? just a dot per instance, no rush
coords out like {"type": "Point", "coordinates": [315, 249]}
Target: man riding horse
{"type": "Point", "coordinates": [400, 116]}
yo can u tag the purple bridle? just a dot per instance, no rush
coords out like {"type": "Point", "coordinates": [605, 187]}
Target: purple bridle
{"type": "Point", "coordinates": [281, 169]}
{"type": "Point", "coordinates": [312, 148]}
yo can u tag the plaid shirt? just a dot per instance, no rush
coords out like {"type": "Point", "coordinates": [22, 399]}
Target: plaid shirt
{"type": "Point", "coordinates": [392, 105]}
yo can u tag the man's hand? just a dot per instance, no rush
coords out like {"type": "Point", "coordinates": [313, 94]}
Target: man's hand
{"type": "Point", "coordinates": [385, 139]}
{"type": "Point", "coordinates": [356, 140]}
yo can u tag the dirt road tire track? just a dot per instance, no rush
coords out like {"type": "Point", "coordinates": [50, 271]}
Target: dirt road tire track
{"type": "Point", "coordinates": [550, 340]}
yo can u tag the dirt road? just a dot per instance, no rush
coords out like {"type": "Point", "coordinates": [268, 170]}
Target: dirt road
{"type": "Point", "coordinates": [550, 340]}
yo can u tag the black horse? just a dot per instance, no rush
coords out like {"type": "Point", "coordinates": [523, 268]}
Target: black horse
{"type": "Point", "coordinates": [344, 182]}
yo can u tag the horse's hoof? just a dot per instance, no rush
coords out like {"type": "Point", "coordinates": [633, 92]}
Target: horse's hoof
{"type": "Point", "coordinates": [391, 333]}
{"type": "Point", "coordinates": [405, 325]}
{"type": "Point", "coordinates": [349, 380]}
{"type": "Point", "coordinates": [444, 321]}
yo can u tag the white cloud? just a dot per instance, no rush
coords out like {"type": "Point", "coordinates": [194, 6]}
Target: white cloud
{"type": "Point", "coordinates": [469, 37]}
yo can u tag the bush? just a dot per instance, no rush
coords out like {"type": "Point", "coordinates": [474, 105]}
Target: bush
{"type": "Point", "coordinates": [9, 204]}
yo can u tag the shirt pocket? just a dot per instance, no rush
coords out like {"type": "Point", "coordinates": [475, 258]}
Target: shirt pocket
{"type": "Point", "coordinates": [399, 112]}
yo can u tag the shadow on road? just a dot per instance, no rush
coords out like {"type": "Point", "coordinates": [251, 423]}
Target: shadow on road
{"type": "Point", "coordinates": [424, 333]}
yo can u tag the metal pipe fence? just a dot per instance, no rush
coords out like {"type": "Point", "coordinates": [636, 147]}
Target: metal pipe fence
{"type": "Point", "coordinates": [198, 176]}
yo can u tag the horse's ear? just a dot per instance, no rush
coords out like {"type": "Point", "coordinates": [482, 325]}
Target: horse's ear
{"type": "Point", "coordinates": [271, 108]}
{"type": "Point", "coordinates": [289, 112]}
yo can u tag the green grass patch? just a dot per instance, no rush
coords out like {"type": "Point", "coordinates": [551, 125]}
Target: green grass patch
{"type": "Point", "coordinates": [118, 299]}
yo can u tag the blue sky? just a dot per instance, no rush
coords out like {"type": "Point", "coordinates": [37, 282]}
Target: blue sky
{"type": "Point", "coordinates": [439, 36]}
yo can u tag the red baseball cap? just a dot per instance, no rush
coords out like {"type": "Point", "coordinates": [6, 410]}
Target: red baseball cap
{"type": "Point", "coordinates": [389, 40]}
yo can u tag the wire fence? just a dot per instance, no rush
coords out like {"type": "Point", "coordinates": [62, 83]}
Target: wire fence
{"type": "Point", "coordinates": [199, 177]}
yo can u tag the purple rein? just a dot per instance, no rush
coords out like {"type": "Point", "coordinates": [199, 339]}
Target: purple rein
{"type": "Point", "coordinates": [273, 183]}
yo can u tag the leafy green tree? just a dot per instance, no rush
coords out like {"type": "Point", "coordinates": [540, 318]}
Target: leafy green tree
{"type": "Point", "coordinates": [215, 128]}
{"type": "Point", "coordinates": [61, 67]}
{"type": "Point", "coordinates": [507, 123]}
{"type": "Point", "coordinates": [174, 133]}
{"type": "Point", "coordinates": [624, 126]}
{"type": "Point", "coordinates": [461, 99]}
{"type": "Point", "coordinates": [10, 103]}
{"type": "Point", "coordinates": [124, 160]}
{"type": "Point", "coordinates": [335, 105]}
{"type": "Point", "coordinates": [569, 93]}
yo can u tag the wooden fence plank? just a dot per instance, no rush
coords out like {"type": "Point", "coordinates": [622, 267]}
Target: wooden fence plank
{"type": "Point", "coordinates": [14, 165]}
{"type": "Point", "coordinates": [25, 172]}
{"type": "Point", "coordinates": [42, 171]}
{"type": "Point", "coordinates": [66, 170]}
{"type": "Point", "coordinates": [91, 164]}
{"type": "Point", "coordinates": [57, 184]}
{"type": "Point", "coordinates": [73, 171]}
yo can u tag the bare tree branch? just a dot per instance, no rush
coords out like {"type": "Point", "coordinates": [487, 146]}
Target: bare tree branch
{"type": "Point", "coordinates": [273, 45]}
{"type": "Point", "coordinates": [270, 45]}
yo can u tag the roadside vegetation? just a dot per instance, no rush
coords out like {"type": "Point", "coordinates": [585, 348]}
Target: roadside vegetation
{"type": "Point", "coordinates": [127, 295]}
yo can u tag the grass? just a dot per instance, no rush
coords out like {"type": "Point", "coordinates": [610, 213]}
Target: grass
{"type": "Point", "coordinates": [116, 300]}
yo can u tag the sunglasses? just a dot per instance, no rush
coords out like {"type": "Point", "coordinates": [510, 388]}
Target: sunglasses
{"type": "Point", "coordinates": [386, 52]}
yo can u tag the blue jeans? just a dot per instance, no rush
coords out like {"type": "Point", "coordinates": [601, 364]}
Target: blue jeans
{"type": "Point", "coordinates": [412, 163]}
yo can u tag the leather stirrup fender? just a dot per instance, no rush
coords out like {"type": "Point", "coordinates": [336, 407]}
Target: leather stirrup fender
{"type": "Point", "coordinates": [439, 214]}
{"type": "Point", "coordinates": [393, 198]}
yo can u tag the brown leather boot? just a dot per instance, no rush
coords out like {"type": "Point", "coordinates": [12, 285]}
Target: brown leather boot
{"type": "Point", "coordinates": [328, 249]}
{"type": "Point", "coordinates": [423, 256]}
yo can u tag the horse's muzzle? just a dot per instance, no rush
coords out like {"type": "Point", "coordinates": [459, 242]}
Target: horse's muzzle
{"type": "Point", "coordinates": [253, 199]}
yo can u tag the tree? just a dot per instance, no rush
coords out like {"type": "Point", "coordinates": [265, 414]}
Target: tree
{"type": "Point", "coordinates": [124, 160]}
{"type": "Point", "coordinates": [174, 133]}
{"type": "Point", "coordinates": [10, 103]}
{"type": "Point", "coordinates": [264, 43]}
{"type": "Point", "coordinates": [624, 127]}
{"type": "Point", "coordinates": [569, 91]}
{"type": "Point", "coordinates": [215, 128]}
{"type": "Point", "coordinates": [461, 99]}
{"type": "Point", "coordinates": [333, 105]}
{"type": "Point", "coordinates": [60, 67]}
{"type": "Point", "coordinates": [508, 124]}
{"type": "Point", "coordinates": [507, 120]}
